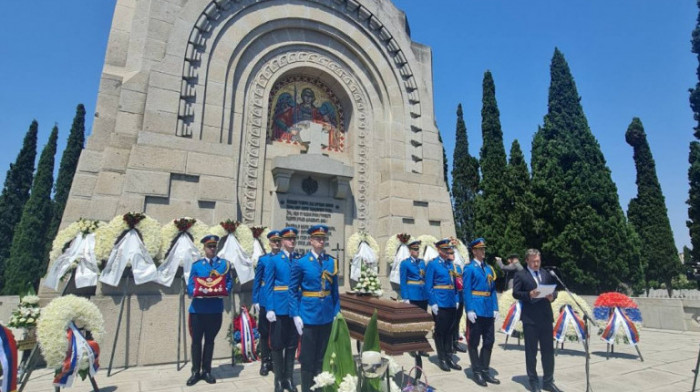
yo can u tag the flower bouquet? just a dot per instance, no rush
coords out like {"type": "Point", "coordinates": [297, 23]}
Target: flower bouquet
{"type": "Point", "coordinates": [427, 252]}
{"type": "Point", "coordinates": [260, 244]}
{"type": "Point", "coordinates": [237, 240]}
{"type": "Point", "coordinates": [622, 318]}
{"type": "Point", "coordinates": [368, 283]}
{"type": "Point", "coordinates": [133, 239]}
{"type": "Point", "coordinates": [461, 253]}
{"type": "Point", "coordinates": [74, 250]}
{"type": "Point", "coordinates": [179, 237]}
{"type": "Point", "coordinates": [395, 252]}
{"type": "Point", "coordinates": [27, 313]}
{"type": "Point", "coordinates": [243, 336]}
{"type": "Point", "coordinates": [364, 249]}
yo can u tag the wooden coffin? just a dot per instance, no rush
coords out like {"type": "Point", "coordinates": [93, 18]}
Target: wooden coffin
{"type": "Point", "coordinates": [402, 327]}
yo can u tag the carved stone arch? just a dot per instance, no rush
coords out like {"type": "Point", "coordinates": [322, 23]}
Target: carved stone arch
{"type": "Point", "coordinates": [256, 125]}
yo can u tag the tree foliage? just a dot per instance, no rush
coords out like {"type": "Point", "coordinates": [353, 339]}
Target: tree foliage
{"type": "Point", "coordinates": [693, 202]}
{"type": "Point", "coordinates": [444, 163]}
{"type": "Point", "coordinates": [15, 193]}
{"type": "Point", "coordinates": [465, 182]}
{"type": "Point", "coordinates": [518, 204]}
{"type": "Point", "coordinates": [491, 203]}
{"type": "Point", "coordinates": [580, 225]}
{"type": "Point", "coordinates": [648, 215]}
{"type": "Point", "coordinates": [25, 265]}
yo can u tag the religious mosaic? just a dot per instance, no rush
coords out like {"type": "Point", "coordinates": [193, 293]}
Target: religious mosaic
{"type": "Point", "coordinates": [298, 101]}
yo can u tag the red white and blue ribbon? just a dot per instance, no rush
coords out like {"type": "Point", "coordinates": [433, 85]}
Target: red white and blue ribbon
{"type": "Point", "coordinates": [247, 337]}
{"type": "Point", "coordinates": [512, 318]}
{"type": "Point", "coordinates": [618, 319]}
{"type": "Point", "coordinates": [78, 348]}
{"type": "Point", "coordinates": [8, 359]}
{"type": "Point", "coordinates": [568, 316]}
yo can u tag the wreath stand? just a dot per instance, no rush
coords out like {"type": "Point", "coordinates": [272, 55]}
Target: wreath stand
{"type": "Point", "coordinates": [505, 345]}
{"type": "Point", "coordinates": [181, 325]}
{"type": "Point", "coordinates": [125, 293]}
{"type": "Point", "coordinates": [697, 367]}
{"type": "Point", "coordinates": [610, 349]}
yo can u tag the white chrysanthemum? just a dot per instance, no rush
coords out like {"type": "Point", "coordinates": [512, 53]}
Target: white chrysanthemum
{"type": "Point", "coordinates": [349, 384]}
{"type": "Point", "coordinates": [425, 241]}
{"type": "Point", "coordinates": [30, 300]}
{"type": "Point", "coordinates": [106, 236]}
{"type": "Point", "coordinates": [55, 319]}
{"type": "Point", "coordinates": [563, 298]}
{"type": "Point", "coordinates": [169, 231]}
{"type": "Point", "coordinates": [462, 249]}
{"type": "Point", "coordinates": [65, 236]}
{"type": "Point", "coordinates": [323, 380]}
{"type": "Point", "coordinates": [353, 244]}
{"type": "Point", "coordinates": [504, 303]}
{"type": "Point", "coordinates": [243, 234]}
{"type": "Point", "coordinates": [392, 245]}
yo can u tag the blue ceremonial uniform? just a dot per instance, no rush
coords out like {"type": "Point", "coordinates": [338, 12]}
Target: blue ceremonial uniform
{"type": "Point", "coordinates": [458, 272]}
{"type": "Point", "coordinates": [480, 289]}
{"type": "Point", "coordinates": [439, 283]}
{"type": "Point", "coordinates": [259, 282]}
{"type": "Point", "coordinates": [203, 268]}
{"type": "Point", "coordinates": [314, 289]}
{"type": "Point", "coordinates": [278, 271]}
{"type": "Point", "coordinates": [412, 273]}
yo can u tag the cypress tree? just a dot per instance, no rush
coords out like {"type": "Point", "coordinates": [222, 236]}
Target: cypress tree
{"type": "Point", "coordinates": [490, 204]}
{"type": "Point", "coordinates": [15, 193]}
{"type": "Point", "coordinates": [518, 204]}
{"type": "Point", "coordinates": [24, 267]}
{"type": "Point", "coordinates": [465, 182]}
{"type": "Point", "coordinates": [580, 225]}
{"type": "Point", "coordinates": [647, 213]}
{"type": "Point", "coordinates": [444, 163]}
{"type": "Point", "coordinates": [693, 202]}
{"type": "Point", "coordinates": [66, 171]}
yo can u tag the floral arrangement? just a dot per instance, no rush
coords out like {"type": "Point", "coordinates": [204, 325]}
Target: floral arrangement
{"type": "Point", "coordinates": [56, 318]}
{"type": "Point", "coordinates": [605, 305]}
{"type": "Point", "coordinates": [260, 233]}
{"type": "Point", "coordinates": [368, 283]}
{"type": "Point", "coordinates": [426, 240]}
{"type": "Point", "coordinates": [27, 313]}
{"type": "Point", "coordinates": [242, 233]}
{"type": "Point", "coordinates": [234, 337]}
{"type": "Point", "coordinates": [505, 301]}
{"type": "Point", "coordinates": [393, 243]}
{"type": "Point", "coordinates": [563, 299]}
{"type": "Point", "coordinates": [353, 244]}
{"type": "Point", "coordinates": [171, 231]}
{"type": "Point", "coordinates": [106, 236]}
{"type": "Point", "coordinates": [462, 249]}
{"type": "Point", "coordinates": [66, 236]}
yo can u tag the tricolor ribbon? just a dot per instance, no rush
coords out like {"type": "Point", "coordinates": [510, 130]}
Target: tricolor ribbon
{"type": "Point", "coordinates": [247, 337]}
{"type": "Point", "coordinates": [8, 360]}
{"type": "Point", "coordinates": [568, 316]}
{"type": "Point", "coordinates": [78, 348]}
{"type": "Point", "coordinates": [618, 319]}
{"type": "Point", "coordinates": [512, 318]}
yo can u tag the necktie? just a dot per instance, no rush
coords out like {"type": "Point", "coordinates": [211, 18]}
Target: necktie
{"type": "Point", "coordinates": [537, 275]}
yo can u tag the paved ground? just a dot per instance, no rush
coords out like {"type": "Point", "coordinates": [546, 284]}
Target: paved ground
{"type": "Point", "coordinates": [669, 358]}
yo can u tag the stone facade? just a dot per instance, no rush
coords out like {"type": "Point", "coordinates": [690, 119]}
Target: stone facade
{"type": "Point", "coordinates": [184, 113]}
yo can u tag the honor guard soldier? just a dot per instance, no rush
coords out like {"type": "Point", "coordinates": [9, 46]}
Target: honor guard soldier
{"type": "Point", "coordinates": [283, 335]}
{"type": "Point", "coordinates": [440, 286]}
{"type": "Point", "coordinates": [260, 301]}
{"type": "Point", "coordinates": [459, 288]}
{"type": "Point", "coordinates": [481, 305]}
{"type": "Point", "coordinates": [412, 279]}
{"type": "Point", "coordinates": [206, 312]}
{"type": "Point", "coordinates": [314, 286]}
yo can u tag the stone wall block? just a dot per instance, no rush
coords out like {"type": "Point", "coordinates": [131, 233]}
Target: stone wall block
{"type": "Point", "coordinates": [144, 182]}
{"type": "Point", "coordinates": [127, 124]}
{"type": "Point", "coordinates": [109, 183]}
{"type": "Point", "coordinates": [103, 208]}
{"type": "Point", "coordinates": [83, 185]}
{"type": "Point", "coordinates": [209, 164]}
{"type": "Point", "coordinates": [216, 189]}
{"type": "Point", "coordinates": [115, 159]}
{"type": "Point", "coordinates": [90, 161]}
{"type": "Point", "coordinates": [157, 158]}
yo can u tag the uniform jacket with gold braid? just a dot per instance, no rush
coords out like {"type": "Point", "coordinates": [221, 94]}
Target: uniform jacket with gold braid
{"type": "Point", "coordinates": [258, 281]}
{"type": "Point", "coordinates": [480, 289]}
{"type": "Point", "coordinates": [439, 283]}
{"type": "Point", "coordinates": [278, 271]}
{"type": "Point", "coordinates": [202, 268]}
{"type": "Point", "coordinates": [412, 278]}
{"type": "Point", "coordinates": [314, 287]}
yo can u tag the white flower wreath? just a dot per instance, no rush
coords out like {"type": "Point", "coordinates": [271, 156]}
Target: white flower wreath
{"type": "Point", "coordinates": [65, 236]}
{"type": "Point", "coordinates": [243, 234]}
{"type": "Point", "coordinates": [55, 319]}
{"type": "Point", "coordinates": [463, 251]}
{"type": "Point", "coordinates": [505, 300]}
{"type": "Point", "coordinates": [353, 244]}
{"type": "Point", "coordinates": [106, 236]}
{"type": "Point", "coordinates": [425, 241]}
{"type": "Point", "coordinates": [170, 232]}
{"type": "Point", "coordinates": [392, 245]}
{"type": "Point", "coordinates": [563, 298]}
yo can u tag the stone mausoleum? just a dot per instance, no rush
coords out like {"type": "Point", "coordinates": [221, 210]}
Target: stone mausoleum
{"type": "Point", "coordinates": [270, 112]}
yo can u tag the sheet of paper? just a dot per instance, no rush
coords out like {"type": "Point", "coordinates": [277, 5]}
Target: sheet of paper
{"type": "Point", "coordinates": [545, 290]}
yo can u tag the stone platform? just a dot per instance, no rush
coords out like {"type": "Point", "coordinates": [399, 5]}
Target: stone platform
{"type": "Point", "coordinates": [669, 358]}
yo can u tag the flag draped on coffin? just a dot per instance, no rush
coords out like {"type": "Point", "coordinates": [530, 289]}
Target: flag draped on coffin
{"type": "Point", "coordinates": [366, 255]}
{"type": "Point", "coordinates": [82, 250]}
{"type": "Point", "coordinates": [182, 253]}
{"type": "Point", "coordinates": [234, 253]}
{"type": "Point", "coordinates": [129, 250]}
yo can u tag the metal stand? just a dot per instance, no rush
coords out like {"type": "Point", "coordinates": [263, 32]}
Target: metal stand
{"type": "Point", "coordinates": [181, 326]}
{"type": "Point", "coordinates": [29, 368]}
{"type": "Point", "coordinates": [119, 323]}
{"type": "Point", "coordinates": [697, 368]}
{"type": "Point", "coordinates": [232, 297]}
{"type": "Point", "coordinates": [586, 319]}
{"type": "Point", "coordinates": [95, 388]}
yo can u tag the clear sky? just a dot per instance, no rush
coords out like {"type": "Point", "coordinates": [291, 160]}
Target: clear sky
{"type": "Point", "coordinates": [629, 58]}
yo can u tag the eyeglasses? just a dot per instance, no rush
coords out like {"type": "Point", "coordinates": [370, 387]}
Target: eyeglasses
{"type": "Point", "coordinates": [211, 246]}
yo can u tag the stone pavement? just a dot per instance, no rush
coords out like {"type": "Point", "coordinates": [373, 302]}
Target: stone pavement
{"type": "Point", "coordinates": [669, 358]}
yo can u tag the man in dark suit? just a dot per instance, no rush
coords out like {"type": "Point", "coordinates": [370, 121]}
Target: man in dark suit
{"type": "Point", "coordinates": [537, 320]}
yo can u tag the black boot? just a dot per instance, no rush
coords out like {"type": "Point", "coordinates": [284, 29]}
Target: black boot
{"type": "Point", "coordinates": [307, 381]}
{"type": "Point", "coordinates": [458, 347]}
{"type": "Point", "coordinates": [193, 379]}
{"type": "Point", "coordinates": [207, 354]}
{"type": "Point", "coordinates": [442, 355]}
{"type": "Point", "coordinates": [486, 363]}
{"type": "Point", "coordinates": [447, 343]}
{"type": "Point", "coordinates": [278, 368]}
{"type": "Point", "coordinates": [196, 351]}
{"type": "Point", "coordinates": [265, 362]}
{"type": "Point", "coordinates": [476, 366]}
{"type": "Point", "coordinates": [288, 381]}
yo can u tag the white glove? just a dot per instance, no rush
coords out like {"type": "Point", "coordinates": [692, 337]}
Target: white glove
{"type": "Point", "coordinates": [434, 308]}
{"type": "Point", "coordinates": [457, 305]}
{"type": "Point", "coordinates": [271, 317]}
{"type": "Point", "coordinates": [471, 316]}
{"type": "Point", "coordinates": [255, 308]}
{"type": "Point", "coordinates": [495, 315]}
{"type": "Point", "coordinates": [299, 323]}
{"type": "Point", "coordinates": [405, 301]}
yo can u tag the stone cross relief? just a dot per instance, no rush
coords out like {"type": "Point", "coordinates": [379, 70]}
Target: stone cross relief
{"type": "Point", "coordinates": [313, 136]}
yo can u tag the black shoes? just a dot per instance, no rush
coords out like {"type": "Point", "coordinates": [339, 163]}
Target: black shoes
{"type": "Point", "coordinates": [551, 388]}
{"type": "Point", "coordinates": [206, 376]}
{"type": "Point", "coordinates": [443, 365]}
{"type": "Point", "coordinates": [458, 347]}
{"type": "Point", "coordinates": [452, 364]}
{"type": "Point", "coordinates": [479, 378]}
{"type": "Point", "coordinates": [193, 379]}
{"type": "Point", "coordinates": [489, 378]}
{"type": "Point", "coordinates": [288, 386]}
{"type": "Point", "coordinates": [265, 368]}
{"type": "Point", "coordinates": [535, 386]}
